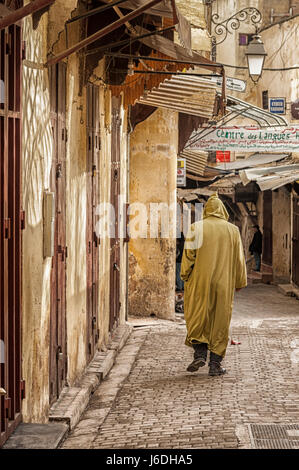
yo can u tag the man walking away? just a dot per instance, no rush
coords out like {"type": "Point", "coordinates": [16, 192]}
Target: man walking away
{"type": "Point", "coordinates": [212, 269]}
{"type": "Point", "coordinates": [255, 247]}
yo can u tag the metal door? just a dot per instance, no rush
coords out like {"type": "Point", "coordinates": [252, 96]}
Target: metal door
{"type": "Point", "coordinates": [58, 346]}
{"type": "Point", "coordinates": [295, 240]}
{"type": "Point", "coordinates": [267, 227]}
{"type": "Point", "coordinates": [114, 199]}
{"type": "Point", "coordinates": [12, 222]}
{"type": "Point", "coordinates": [92, 200]}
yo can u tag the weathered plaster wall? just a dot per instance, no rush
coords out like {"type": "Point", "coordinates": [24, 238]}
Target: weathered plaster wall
{"type": "Point", "coordinates": [281, 235]}
{"type": "Point", "coordinates": [37, 160]}
{"type": "Point", "coordinates": [283, 52]}
{"type": "Point", "coordinates": [59, 12]}
{"type": "Point", "coordinates": [153, 180]}
{"type": "Point", "coordinates": [76, 223]}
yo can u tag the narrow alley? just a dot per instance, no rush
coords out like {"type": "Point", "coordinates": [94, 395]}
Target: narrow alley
{"type": "Point", "coordinates": [158, 404]}
{"type": "Point", "coordinates": [149, 173]}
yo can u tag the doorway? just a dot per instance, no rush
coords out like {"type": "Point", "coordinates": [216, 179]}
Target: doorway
{"type": "Point", "coordinates": [92, 200]}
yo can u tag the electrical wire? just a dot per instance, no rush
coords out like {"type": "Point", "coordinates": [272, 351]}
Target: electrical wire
{"type": "Point", "coordinates": [295, 67]}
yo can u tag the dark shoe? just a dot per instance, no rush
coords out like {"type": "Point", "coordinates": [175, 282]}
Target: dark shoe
{"type": "Point", "coordinates": [216, 369]}
{"type": "Point", "coordinates": [200, 356]}
{"type": "Point", "coordinates": [215, 366]}
{"type": "Point", "coordinates": [196, 364]}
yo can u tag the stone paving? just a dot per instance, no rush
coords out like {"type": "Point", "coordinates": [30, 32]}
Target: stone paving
{"type": "Point", "coordinates": [149, 400]}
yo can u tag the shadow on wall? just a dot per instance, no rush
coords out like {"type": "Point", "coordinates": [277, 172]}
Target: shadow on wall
{"type": "Point", "coordinates": [37, 135]}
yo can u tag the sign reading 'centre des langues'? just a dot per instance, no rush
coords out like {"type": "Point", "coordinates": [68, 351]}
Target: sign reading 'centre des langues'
{"type": "Point", "coordinates": [248, 139]}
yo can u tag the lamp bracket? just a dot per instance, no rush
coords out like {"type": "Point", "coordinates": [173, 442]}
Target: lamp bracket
{"type": "Point", "coordinates": [233, 23]}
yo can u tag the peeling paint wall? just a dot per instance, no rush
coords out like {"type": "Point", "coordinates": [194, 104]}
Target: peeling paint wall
{"type": "Point", "coordinates": [153, 180]}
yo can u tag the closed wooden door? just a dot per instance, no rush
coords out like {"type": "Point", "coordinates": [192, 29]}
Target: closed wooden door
{"type": "Point", "coordinates": [58, 344]}
{"type": "Point", "coordinates": [267, 227]}
{"type": "Point", "coordinates": [92, 200]}
{"type": "Point", "coordinates": [295, 241]}
{"type": "Point", "coordinates": [114, 199]}
{"type": "Point", "coordinates": [12, 222]}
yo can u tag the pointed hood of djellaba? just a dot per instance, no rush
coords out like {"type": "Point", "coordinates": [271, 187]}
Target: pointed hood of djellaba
{"type": "Point", "coordinates": [215, 207]}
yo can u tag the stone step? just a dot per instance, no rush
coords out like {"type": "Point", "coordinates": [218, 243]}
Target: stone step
{"type": "Point", "coordinates": [286, 289]}
{"type": "Point", "coordinates": [266, 268]}
{"type": "Point", "coordinates": [289, 290]}
{"type": "Point", "coordinates": [73, 400]}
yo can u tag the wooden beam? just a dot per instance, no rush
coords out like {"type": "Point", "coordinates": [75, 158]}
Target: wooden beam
{"type": "Point", "coordinates": [20, 13]}
{"type": "Point", "coordinates": [102, 32]}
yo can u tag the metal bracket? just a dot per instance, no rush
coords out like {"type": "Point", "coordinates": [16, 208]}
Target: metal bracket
{"type": "Point", "coordinates": [233, 23]}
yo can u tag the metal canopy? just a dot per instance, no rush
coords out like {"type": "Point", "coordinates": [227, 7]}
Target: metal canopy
{"type": "Point", "coordinates": [186, 94]}
{"type": "Point", "coordinates": [271, 177]}
{"type": "Point", "coordinates": [263, 117]}
{"type": "Point", "coordinates": [251, 161]}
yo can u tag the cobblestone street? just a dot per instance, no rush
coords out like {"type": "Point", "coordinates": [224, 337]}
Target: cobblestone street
{"type": "Point", "coordinates": [149, 400]}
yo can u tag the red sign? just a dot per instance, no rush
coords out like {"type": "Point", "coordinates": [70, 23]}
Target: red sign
{"type": "Point", "coordinates": [222, 156]}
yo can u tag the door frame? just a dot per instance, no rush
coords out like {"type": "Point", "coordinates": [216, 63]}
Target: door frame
{"type": "Point", "coordinates": [12, 219]}
{"type": "Point", "coordinates": [93, 145]}
{"type": "Point", "coordinates": [58, 327]}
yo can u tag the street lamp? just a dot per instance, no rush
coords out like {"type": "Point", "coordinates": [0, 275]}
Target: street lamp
{"type": "Point", "coordinates": [255, 51]}
{"type": "Point", "coordinates": [255, 54]}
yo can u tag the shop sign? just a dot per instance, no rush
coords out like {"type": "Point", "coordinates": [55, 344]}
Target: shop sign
{"type": "Point", "coordinates": [222, 156]}
{"type": "Point", "coordinates": [277, 105]}
{"type": "Point", "coordinates": [249, 139]}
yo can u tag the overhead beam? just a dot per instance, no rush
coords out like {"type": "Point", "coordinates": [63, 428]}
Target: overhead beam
{"type": "Point", "coordinates": [204, 62]}
{"type": "Point", "coordinates": [95, 11]}
{"type": "Point", "coordinates": [101, 33]}
{"type": "Point", "coordinates": [20, 13]}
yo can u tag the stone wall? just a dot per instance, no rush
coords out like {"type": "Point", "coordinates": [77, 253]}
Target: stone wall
{"type": "Point", "coordinates": [153, 180]}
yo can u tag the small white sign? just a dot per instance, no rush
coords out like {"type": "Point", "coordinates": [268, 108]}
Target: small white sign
{"type": "Point", "coordinates": [181, 172]}
{"type": "Point", "coordinates": [234, 84]}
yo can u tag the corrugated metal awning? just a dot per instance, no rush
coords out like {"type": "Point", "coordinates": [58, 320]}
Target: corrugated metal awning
{"type": "Point", "coordinates": [271, 177]}
{"type": "Point", "coordinates": [186, 94]}
{"type": "Point", "coordinates": [196, 161]}
{"type": "Point", "coordinates": [251, 161]}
